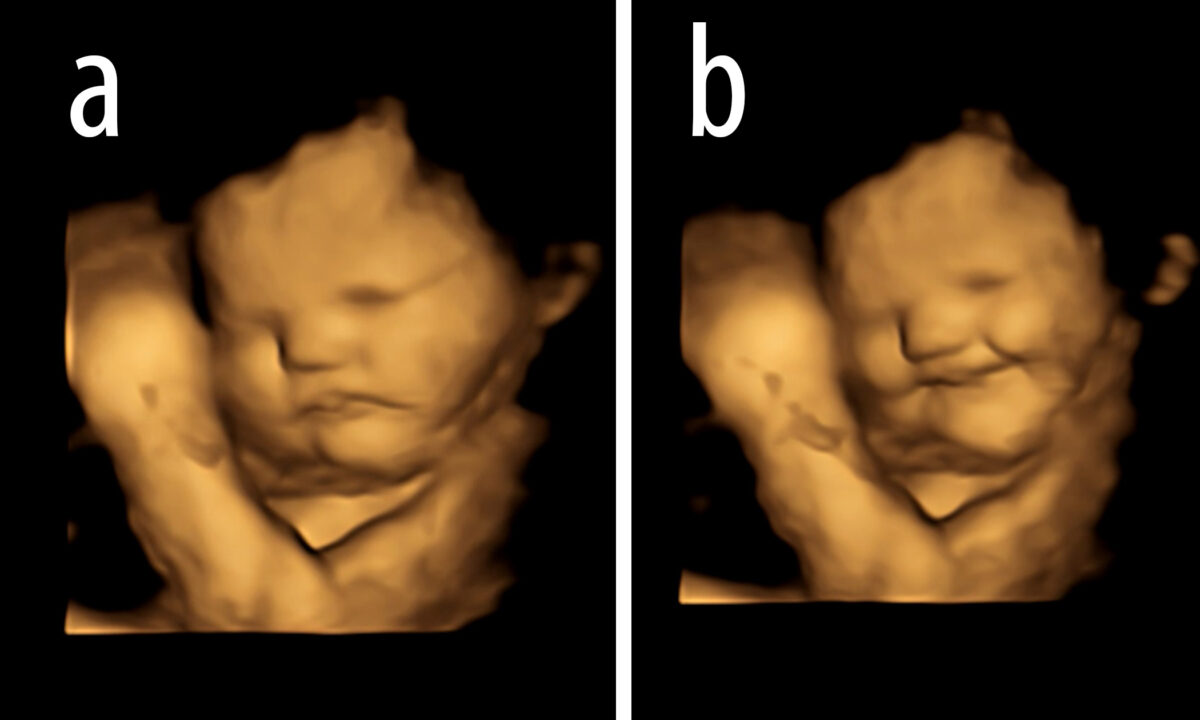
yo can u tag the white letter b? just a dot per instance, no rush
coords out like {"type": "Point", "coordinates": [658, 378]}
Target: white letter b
{"type": "Point", "coordinates": [700, 70]}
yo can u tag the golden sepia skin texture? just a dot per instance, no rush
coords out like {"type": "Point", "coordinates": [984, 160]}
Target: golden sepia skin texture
{"type": "Point", "coordinates": [357, 388]}
{"type": "Point", "coordinates": [935, 416]}
{"type": "Point", "coordinates": [363, 314]}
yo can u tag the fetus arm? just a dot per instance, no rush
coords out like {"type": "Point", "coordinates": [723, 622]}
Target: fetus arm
{"type": "Point", "coordinates": [137, 359]}
{"type": "Point", "coordinates": [757, 335]}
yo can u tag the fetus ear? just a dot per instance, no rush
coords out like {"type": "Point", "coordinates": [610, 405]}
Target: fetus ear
{"type": "Point", "coordinates": [571, 269]}
{"type": "Point", "coordinates": [1174, 272]}
{"type": "Point", "coordinates": [988, 123]}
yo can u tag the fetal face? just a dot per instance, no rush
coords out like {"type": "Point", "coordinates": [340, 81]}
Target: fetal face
{"type": "Point", "coordinates": [969, 301]}
{"type": "Point", "coordinates": [363, 313]}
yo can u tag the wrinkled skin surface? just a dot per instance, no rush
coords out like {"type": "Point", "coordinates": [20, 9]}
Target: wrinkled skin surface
{"type": "Point", "coordinates": [934, 414]}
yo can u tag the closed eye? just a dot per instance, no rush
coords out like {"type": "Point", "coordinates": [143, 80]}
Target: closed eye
{"type": "Point", "coordinates": [369, 296]}
{"type": "Point", "coordinates": [982, 282]}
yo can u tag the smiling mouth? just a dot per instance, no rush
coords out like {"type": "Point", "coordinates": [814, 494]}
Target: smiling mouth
{"type": "Point", "coordinates": [965, 378]}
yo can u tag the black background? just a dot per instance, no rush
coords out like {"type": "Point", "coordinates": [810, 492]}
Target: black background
{"type": "Point", "coordinates": [522, 104]}
{"type": "Point", "coordinates": [802, 66]}
{"type": "Point", "coordinates": [1105, 104]}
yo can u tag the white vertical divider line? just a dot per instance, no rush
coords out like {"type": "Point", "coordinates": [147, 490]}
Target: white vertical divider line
{"type": "Point", "coordinates": [624, 361]}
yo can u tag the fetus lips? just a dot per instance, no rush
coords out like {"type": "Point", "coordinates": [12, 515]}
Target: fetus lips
{"type": "Point", "coordinates": [959, 376]}
{"type": "Point", "coordinates": [345, 406]}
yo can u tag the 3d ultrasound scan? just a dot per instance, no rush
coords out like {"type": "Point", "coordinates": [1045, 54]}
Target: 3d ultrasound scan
{"type": "Point", "coordinates": [310, 339]}
{"type": "Point", "coordinates": [930, 387]}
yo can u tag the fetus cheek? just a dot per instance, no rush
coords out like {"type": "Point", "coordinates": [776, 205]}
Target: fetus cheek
{"type": "Point", "coordinates": [1021, 326]}
{"type": "Point", "coordinates": [877, 358]}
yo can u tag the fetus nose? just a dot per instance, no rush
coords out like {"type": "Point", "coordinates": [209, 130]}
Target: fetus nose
{"type": "Point", "coordinates": [934, 329]}
{"type": "Point", "coordinates": [312, 343]}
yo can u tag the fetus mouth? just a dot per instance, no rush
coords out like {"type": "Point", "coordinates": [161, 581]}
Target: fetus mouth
{"type": "Point", "coordinates": [960, 376]}
{"type": "Point", "coordinates": [347, 405]}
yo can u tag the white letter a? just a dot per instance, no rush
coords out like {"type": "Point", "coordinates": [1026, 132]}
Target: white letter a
{"type": "Point", "coordinates": [108, 90]}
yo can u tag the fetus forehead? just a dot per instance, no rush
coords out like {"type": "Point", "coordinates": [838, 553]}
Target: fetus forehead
{"type": "Point", "coordinates": [348, 206]}
{"type": "Point", "coordinates": [968, 208]}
